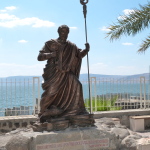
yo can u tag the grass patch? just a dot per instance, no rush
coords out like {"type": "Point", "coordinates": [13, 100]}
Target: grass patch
{"type": "Point", "coordinates": [102, 104]}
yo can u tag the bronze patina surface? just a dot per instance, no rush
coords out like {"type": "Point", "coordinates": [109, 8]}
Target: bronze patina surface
{"type": "Point", "coordinates": [62, 96]}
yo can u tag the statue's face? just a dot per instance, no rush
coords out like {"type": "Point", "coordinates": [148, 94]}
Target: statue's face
{"type": "Point", "coordinates": [63, 34]}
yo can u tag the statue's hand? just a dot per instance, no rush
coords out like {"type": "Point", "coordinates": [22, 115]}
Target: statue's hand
{"type": "Point", "coordinates": [87, 46]}
{"type": "Point", "coordinates": [50, 55]}
{"type": "Point", "coordinates": [53, 54]}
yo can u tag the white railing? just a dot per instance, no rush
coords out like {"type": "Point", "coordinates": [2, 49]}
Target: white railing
{"type": "Point", "coordinates": [19, 97]}
{"type": "Point", "coordinates": [22, 97]}
{"type": "Point", "coordinates": [37, 104]}
{"type": "Point", "coordinates": [117, 94]}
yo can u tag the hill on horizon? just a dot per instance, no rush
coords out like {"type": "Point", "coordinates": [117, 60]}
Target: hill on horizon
{"type": "Point", "coordinates": [85, 77]}
{"type": "Point", "coordinates": [126, 77]}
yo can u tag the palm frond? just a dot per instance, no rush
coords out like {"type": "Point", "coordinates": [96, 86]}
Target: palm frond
{"type": "Point", "coordinates": [131, 24]}
{"type": "Point", "coordinates": [145, 45]}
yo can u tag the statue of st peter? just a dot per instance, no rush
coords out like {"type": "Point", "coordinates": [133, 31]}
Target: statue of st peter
{"type": "Point", "coordinates": [62, 88]}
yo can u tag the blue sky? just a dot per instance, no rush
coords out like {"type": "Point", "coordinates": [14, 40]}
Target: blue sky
{"type": "Point", "coordinates": [25, 25]}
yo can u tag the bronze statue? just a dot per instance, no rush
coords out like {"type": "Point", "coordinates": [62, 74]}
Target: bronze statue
{"type": "Point", "coordinates": [62, 96]}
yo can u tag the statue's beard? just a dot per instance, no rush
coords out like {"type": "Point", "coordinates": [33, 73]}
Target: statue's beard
{"type": "Point", "coordinates": [62, 39]}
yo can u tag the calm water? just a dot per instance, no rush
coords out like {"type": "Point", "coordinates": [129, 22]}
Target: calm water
{"type": "Point", "coordinates": [21, 93]}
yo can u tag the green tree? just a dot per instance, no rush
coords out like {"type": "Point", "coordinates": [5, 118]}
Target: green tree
{"type": "Point", "coordinates": [131, 24]}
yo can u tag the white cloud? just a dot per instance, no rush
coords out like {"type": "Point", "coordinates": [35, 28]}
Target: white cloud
{"type": "Point", "coordinates": [24, 70]}
{"type": "Point", "coordinates": [73, 28]}
{"type": "Point", "coordinates": [128, 11]}
{"type": "Point", "coordinates": [3, 10]}
{"type": "Point", "coordinates": [10, 21]}
{"type": "Point", "coordinates": [22, 41]}
{"type": "Point", "coordinates": [104, 28]}
{"type": "Point", "coordinates": [41, 23]}
{"type": "Point", "coordinates": [10, 8]}
{"type": "Point", "coordinates": [127, 44]}
{"type": "Point", "coordinates": [5, 17]}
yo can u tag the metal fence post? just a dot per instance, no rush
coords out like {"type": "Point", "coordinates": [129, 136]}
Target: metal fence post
{"type": "Point", "coordinates": [95, 95]}
{"type": "Point", "coordinates": [34, 98]}
{"type": "Point", "coordinates": [141, 91]}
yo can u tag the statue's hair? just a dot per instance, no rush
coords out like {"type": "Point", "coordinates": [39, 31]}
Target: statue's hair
{"type": "Point", "coordinates": [63, 26]}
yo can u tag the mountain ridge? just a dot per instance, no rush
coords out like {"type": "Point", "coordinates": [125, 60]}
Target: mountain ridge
{"type": "Point", "coordinates": [85, 76]}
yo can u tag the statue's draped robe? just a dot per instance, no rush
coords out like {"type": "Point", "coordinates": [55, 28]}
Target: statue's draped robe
{"type": "Point", "coordinates": [61, 86]}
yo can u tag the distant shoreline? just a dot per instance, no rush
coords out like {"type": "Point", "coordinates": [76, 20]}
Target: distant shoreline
{"type": "Point", "coordinates": [85, 76]}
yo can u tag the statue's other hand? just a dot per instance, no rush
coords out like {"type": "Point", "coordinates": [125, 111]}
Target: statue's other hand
{"type": "Point", "coordinates": [87, 46]}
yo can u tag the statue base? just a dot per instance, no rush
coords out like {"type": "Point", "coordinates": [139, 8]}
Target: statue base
{"type": "Point", "coordinates": [82, 120]}
{"type": "Point", "coordinates": [56, 124]}
{"type": "Point", "coordinates": [75, 137]}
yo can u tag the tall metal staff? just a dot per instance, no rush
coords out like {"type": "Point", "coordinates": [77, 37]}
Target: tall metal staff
{"type": "Point", "coordinates": [83, 2]}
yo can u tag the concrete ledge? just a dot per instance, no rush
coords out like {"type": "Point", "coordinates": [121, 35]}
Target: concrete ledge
{"type": "Point", "coordinates": [123, 115]}
{"type": "Point", "coordinates": [10, 123]}
{"type": "Point", "coordinates": [119, 113]}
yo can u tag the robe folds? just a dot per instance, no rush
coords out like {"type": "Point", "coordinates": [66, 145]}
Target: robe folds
{"type": "Point", "coordinates": [61, 86]}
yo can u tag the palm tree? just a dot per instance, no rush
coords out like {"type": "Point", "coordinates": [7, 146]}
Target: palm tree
{"type": "Point", "coordinates": [131, 24]}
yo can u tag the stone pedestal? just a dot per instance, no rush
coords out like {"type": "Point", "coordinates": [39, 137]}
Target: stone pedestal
{"type": "Point", "coordinates": [87, 138]}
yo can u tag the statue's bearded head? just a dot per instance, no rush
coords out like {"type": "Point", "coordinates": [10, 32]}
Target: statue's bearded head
{"type": "Point", "coordinates": [63, 32]}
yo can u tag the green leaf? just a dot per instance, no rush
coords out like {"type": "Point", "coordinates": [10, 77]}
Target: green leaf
{"type": "Point", "coordinates": [132, 24]}
{"type": "Point", "coordinates": [145, 45]}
